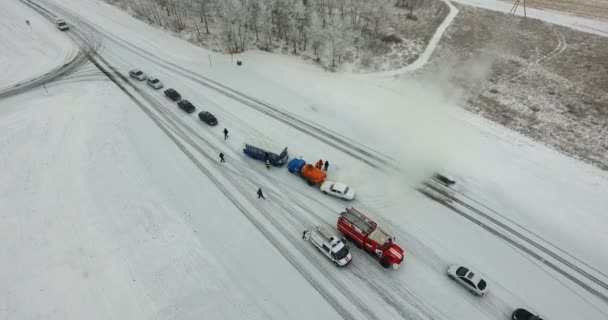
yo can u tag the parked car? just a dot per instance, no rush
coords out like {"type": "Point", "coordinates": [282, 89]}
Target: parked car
{"type": "Point", "coordinates": [186, 106]}
{"type": "Point", "coordinates": [338, 189]}
{"type": "Point", "coordinates": [154, 83]}
{"type": "Point", "coordinates": [62, 25]}
{"type": "Point", "coordinates": [523, 314]}
{"type": "Point", "coordinates": [172, 94]}
{"type": "Point", "coordinates": [137, 74]}
{"type": "Point", "coordinates": [332, 246]}
{"type": "Point", "coordinates": [473, 282]}
{"type": "Point", "coordinates": [207, 118]}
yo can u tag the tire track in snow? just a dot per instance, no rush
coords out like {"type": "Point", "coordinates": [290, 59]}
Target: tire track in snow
{"type": "Point", "coordinates": [175, 134]}
{"type": "Point", "coordinates": [496, 224]}
{"type": "Point", "coordinates": [357, 151]}
{"type": "Point", "coordinates": [73, 61]}
{"type": "Point", "coordinates": [272, 111]}
{"type": "Point", "coordinates": [561, 46]}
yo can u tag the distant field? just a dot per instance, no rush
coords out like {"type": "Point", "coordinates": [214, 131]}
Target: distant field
{"type": "Point", "coordinates": [589, 8]}
{"type": "Point", "coordinates": [546, 81]}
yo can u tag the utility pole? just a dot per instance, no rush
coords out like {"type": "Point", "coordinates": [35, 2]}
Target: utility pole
{"type": "Point", "coordinates": [516, 5]}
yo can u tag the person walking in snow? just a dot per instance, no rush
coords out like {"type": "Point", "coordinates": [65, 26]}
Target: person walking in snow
{"type": "Point", "coordinates": [326, 165]}
{"type": "Point", "coordinates": [222, 157]}
{"type": "Point", "coordinates": [320, 163]}
{"type": "Point", "coordinates": [225, 133]}
{"type": "Point", "coordinates": [260, 194]}
{"type": "Point", "coordinates": [267, 164]}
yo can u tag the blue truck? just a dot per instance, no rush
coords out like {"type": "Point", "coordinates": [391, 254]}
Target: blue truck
{"type": "Point", "coordinates": [263, 150]}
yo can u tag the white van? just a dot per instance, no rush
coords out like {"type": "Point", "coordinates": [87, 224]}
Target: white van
{"type": "Point", "coordinates": [333, 247]}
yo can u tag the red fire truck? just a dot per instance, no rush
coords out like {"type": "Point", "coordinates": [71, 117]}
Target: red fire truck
{"type": "Point", "coordinates": [364, 233]}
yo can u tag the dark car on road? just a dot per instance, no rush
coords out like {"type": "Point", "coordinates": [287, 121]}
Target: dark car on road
{"type": "Point", "coordinates": [186, 106]}
{"type": "Point", "coordinates": [172, 94]}
{"type": "Point", "coordinates": [444, 179]}
{"type": "Point", "coordinates": [207, 118]}
{"type": "Point", "coordinates": [523, 314]}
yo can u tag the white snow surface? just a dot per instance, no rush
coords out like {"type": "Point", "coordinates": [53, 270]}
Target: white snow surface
{"type": "Point", "coordinates": [105, 215]}
{"type": "Point", "coordinates": [589, 25]}
{"type": "Point", "coordinates": [25, 53]}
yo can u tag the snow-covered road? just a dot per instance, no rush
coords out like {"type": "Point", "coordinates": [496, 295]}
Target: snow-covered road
{"type": "Point", "coordinates": [115, 204]}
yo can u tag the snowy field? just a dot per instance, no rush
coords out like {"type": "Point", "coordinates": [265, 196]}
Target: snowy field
{"type": "Point", "coordinates": [114, 203]}
{"type": "Point", "coordinates": [540, 79]}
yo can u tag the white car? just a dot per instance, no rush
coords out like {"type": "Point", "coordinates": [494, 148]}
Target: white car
{"type": "Point", "coordinates": [154, 83]}
{"type": "Point", "coordinates": [137, 74]}
{"type": "Point", "coordinates": [334, 248]}
{"type": "Point", "coordinates": [473, 282]}
{"type": "Point", "coordinates": [62, 25]}
{"type": "Point", "coordinates": [338, 189]}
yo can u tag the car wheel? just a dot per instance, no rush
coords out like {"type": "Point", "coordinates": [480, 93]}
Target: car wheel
{"type": "Point", "coordinates": [451, 277]}
{"type": "Point", "coordinates": [325, 192]}
{"type": "Point", "coordinates": [290, 171]}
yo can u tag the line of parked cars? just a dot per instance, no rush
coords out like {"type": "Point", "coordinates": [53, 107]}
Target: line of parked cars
{"type": "Point", "coordinates": [205, 116]}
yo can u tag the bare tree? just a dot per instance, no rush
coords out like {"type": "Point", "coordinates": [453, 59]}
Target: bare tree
{"type": "Point", "coordinates": [204, 10]}
{"type": "Point", "coordinates": [339, 37]}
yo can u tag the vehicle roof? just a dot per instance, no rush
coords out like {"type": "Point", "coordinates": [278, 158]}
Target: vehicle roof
{"type": "Point", "coordinates": [329, 238]}
{"type": "Point", "coordinates": [379, 236]}
{"type": "Point", "coordinates": [475, 276]}
{"type": "Point", "coordinates": [265, 143]}
{"type": "Point", "coordinates": [358, 219]}
{"type": "Point", "coordinates": [325, 233]}
{"type": "Point", "coordinates": [340, 186]}
{"type": "Point", "coordinates": [152, 78]}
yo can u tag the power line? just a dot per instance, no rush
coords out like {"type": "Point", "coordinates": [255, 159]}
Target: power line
{"type": "Point", "coordinates": [516, 5]}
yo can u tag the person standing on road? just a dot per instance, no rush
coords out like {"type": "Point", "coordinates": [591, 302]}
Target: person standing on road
{"type": "Point", "coordinates": [260, 194]}
{"type": "Point", "coordinates": [225, 133]}
{"type": "Point", "coordinates": [326, 165]}
{"type": "Point", "coordinates": [222, 157]}
{"type": "Point", "coordinates": [267, 164]}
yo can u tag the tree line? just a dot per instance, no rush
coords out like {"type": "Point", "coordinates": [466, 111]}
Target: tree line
{"type": "Point", "coordinates": [326, 28]}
